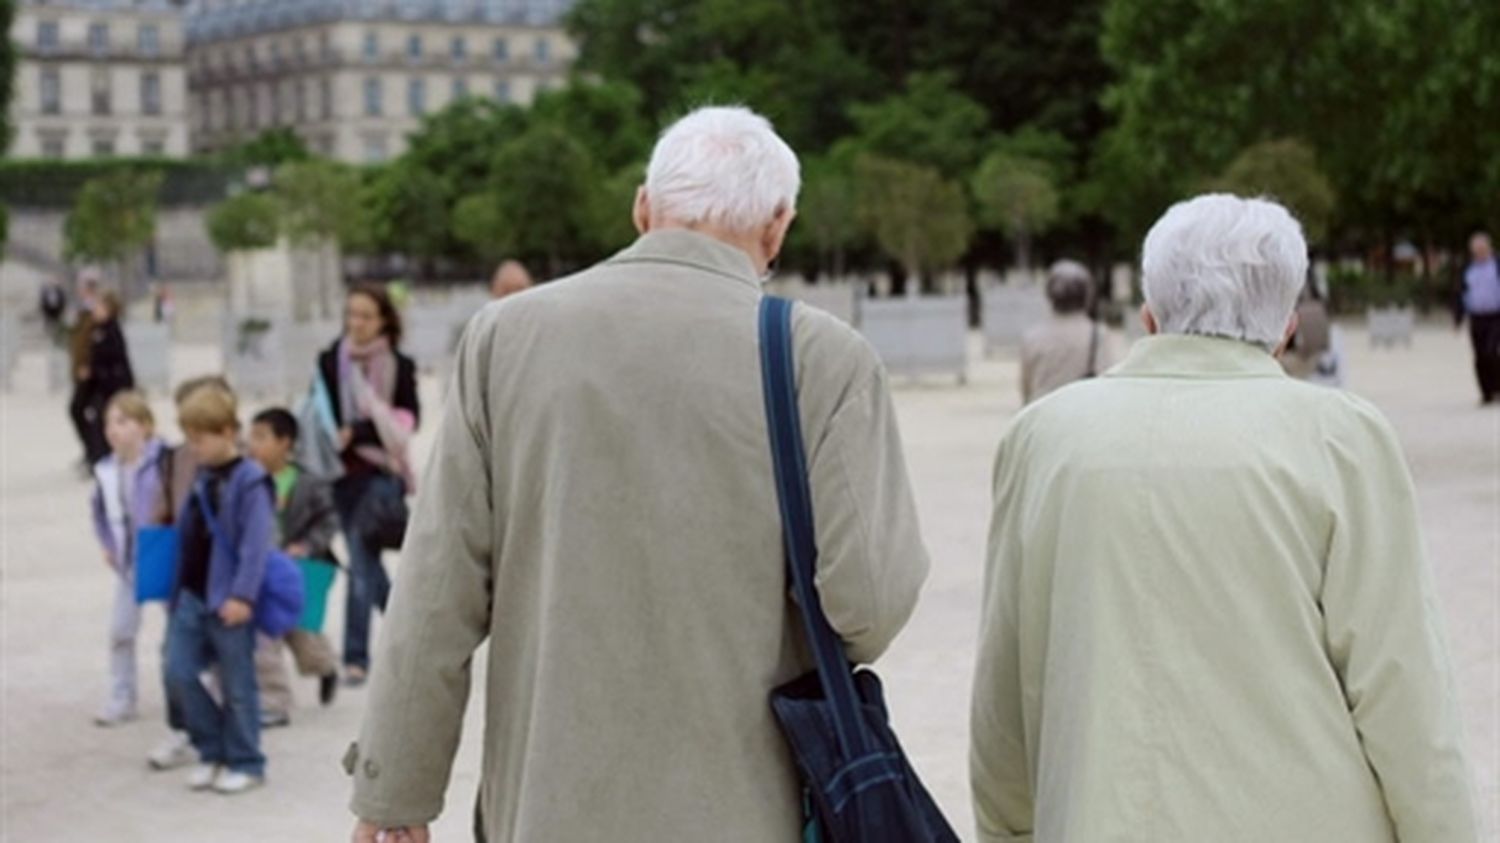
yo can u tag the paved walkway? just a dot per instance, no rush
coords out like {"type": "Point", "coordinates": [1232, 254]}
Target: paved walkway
{"type": "Point", "coordinates": [62, 779]}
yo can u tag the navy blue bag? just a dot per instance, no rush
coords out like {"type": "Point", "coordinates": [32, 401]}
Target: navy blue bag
{"type": "Point", "coordinates": [858, 786]}
{"type": "Point", "coordinates": [279, 605]}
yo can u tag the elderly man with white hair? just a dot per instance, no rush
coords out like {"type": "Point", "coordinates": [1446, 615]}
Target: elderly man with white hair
{"type": "Point", "coordinates": [1070, 346]}
{"type": "Point", "coordinates": [601, 506]}
{"type": "Point", "coordinates": [1207, 614]}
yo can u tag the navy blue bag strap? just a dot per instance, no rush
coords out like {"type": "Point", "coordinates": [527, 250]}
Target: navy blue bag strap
{"type": "Point", "coordinates": [213, 524]}
{"type": "Point", "coordinates": [779, 386]}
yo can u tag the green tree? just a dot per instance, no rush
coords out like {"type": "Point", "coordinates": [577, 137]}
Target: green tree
{"type": "Point", "coordinates": [828, 216]}
{"type": "Point", "coordinates": [930, 122]}
{"type": "Point", "coordinates": [917, 217]}
{"type": "Point", "coordinates": [411, 210]}
{"type": "Point", "coordinates": [1286, 170]}
{"type": "Point", "coordinates": [1016, 195]}
{"type": "Point", "coordinates": [542, 183]}
{"type": "Point", "coordinates": [610, 218]}
{"type": "Point", "coordinates": [113, 219]}
{"type": "Point", "coordinates": [321, 200]}
{"type": "Point", "coordinates": [270, 148]}
{"type": "Point", "coordinates": [479, 222]}
{"type": "Point", "coordinates": [248, 220]}
{"type": "Point", "coordinates": [604, 116]}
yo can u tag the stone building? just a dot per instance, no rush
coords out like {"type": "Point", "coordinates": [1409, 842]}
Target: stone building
{"type": "Point", "coordinates": [99, 77]}
{"type": "Point", "coordinates": [354, 77]}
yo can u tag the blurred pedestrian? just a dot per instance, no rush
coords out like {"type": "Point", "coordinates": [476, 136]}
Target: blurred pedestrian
{"type": "Point", "coordinates": [227, 530]}
{"type": "Point", "coordinates": [105, 370]}
{"type": "Point", "coordinates": [601, 506]}
{"type": "Point", "coordinates": [372, 389]}
{"type": "Point", "coordinates": [53, 305]}
{"type": "Point", "coordinates": [127, 495]}
{"type": "Point", "coordinates": [81, 408]}
{"type": "Point", "coordinates": [306, 524]}
{"type": "Point", "coordinates": [1479, 301]}
{"type": "Point", "coordinates": [1314, 354]}
{"type": "Point", "coordinates": [510, 277]}
{"type": "Point", "coordinates": [1072, 345]}
{"type": "Point", "coordinates": [1207, 614]}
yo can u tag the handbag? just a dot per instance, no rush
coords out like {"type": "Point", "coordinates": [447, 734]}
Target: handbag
{"type": "Point", "coordinates": [857, 784]}
{"type": "Point", "coordinates": [278, 607]}
{"type": "Point", "coordinates": [318, 446]}
{"type": "Point", "coordinates": [156, 546]}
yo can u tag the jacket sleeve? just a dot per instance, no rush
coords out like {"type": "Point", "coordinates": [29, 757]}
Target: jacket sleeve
{"type": "Point", "coordinates": [999, 767]}
{"type": "Point", "coordinates": [321, 518]}
{"type": "Point", "coordinates": [101, 522]}
{"type": "Point", "coordinates": [439, 613]}
{"type": "Point", "coordinates": [871, 561]}
{"type": "Point", "coordinates": [1385, 639]}
{"type": "Point", "coordinates": [257, 511]}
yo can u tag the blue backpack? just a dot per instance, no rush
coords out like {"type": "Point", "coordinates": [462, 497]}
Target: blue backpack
{"type": "Point", "coordinates": [279, 605]}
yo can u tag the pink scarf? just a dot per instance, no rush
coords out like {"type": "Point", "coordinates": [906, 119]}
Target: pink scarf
{"type": "Point", "coordinates": [367, 390]}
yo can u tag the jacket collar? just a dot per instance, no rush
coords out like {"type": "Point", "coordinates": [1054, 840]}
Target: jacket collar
{"type": "Point", "coordinates": [1182, 356]}
{"type": "Point", "coordinates": [689, 248]}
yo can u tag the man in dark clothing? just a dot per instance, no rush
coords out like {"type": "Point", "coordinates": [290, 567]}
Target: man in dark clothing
{"type": "Point", "coordinates": [1479, 300]}
{"type": "Point", "coordinates": [53, 305]}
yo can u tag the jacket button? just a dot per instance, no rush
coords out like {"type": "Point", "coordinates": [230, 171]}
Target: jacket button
{"type": "Point", "coordinates": [371, 768]}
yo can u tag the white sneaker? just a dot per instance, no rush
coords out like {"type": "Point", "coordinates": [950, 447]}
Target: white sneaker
{"type": "Point", "coordinates": [230, 783]}
{"type": "Point", "coordinates": [203, 777]}
{"type": "Point", "coordinates": [176, 751]}
{"type": "Point", "coordinates": [115, 714]}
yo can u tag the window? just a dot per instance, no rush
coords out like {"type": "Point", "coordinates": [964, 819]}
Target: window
{"type": "Point", "coordinates": [414, 47]}
{"type": "Point", "coordinates": [299, 51]}
{"type": "Point", "coordinates": [275, 56]}
{"type": "Point", "coordinates": [372, 97]}
{"type": "Point", "coordinates": [325, 47]}
{"type": "Point", "coordinates": [502, 90]}
{"type": "Point", "coordinates": [459, 48]}
{"type": "Point", "coordinates": [153, 146]}
{"type": "Point", "coordinates": [375, 151]}
{"type": "Point", "coordinates": [250, 58]}
{"type": "Point", "coordinates": [543, 51]}
{"type": "Point", "coordinates": [51, 91]}
{"type": "Point", "coordinates": [502, 50]}
{"type": "Point", "coordinates": [52, 147]}
{"type": "Point", "coordinates": [150, 93]}
{"type": "Point", "coordinates": [46, 35]}
{"type": "Point", "coordinates": [98, 37]}
{"type": "Point", "coordinates": [460, 87]}
{"type": "Point", "coordinates": [104, 147]}
{"type": "Point", "coordinates": [99, 91]}
{"type": "Point", "coordinates": [372, 46]}
{"type": "Point", "coordinates": [301, 96]}
{"type": "Point", "coordinates": [416, 96]}
{"type": "Point", "coordinates": [327, 99]}
{"type": "Point", "coordinates": [148, 40]}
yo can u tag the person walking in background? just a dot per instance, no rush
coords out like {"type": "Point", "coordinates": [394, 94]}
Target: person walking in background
{"type": "Point", "coordinates": [1072, 345]}
{"type": "Point", "coordinates": [107, 371]}
{"type": "Point", "coordinates": [601, 505]}
{"type": "Point", "coordinates": [227, 530]}
{"type": "Point", "coordinates": [306, 522]}
{"type": "Point", "coordinates": [1313, 354]}
{"type": "Point", "coordinates": [1479, 301]}
{"type": "Point", "coordinates": [127, 495]}
{"type": "Point", "coordinates": [373, 391]}
{"type": "Point", "coordinates": [1207, 614]}
{"type": "Point", "coordinates": [81, 408]}
{"type": "Point", "coordinates": [53, 305]}
{"type": "Point", "coordinates": [510, 277]}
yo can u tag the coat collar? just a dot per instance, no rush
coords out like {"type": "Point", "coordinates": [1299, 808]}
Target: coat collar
{"type": "Point", "coordinates": [689, 248]}
{"type": "Point", "coordinates": [1182, 356]}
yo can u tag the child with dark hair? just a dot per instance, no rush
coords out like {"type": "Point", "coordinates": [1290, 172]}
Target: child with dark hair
{"type": "Point", "coordinates": [307, 522]}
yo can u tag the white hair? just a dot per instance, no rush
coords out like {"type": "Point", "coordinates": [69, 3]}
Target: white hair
{"type": "Point", "coordinates": [1222, 266]}
{"type": "Point", "coordinates": [722, 166]}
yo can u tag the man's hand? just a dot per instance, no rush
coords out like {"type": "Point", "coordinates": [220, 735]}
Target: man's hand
{"type": "Point", "coordinates": [235, 612]}
{"type": "Point", "coordinates": [370, 833]}
{"type": "Point", "coordinates": [297, 550]}
{"type": "Point", "coordinates": [346, 435]}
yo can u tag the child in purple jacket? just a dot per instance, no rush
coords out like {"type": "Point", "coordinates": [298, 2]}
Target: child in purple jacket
{"type": "Point", "coordinates": [127, 497]}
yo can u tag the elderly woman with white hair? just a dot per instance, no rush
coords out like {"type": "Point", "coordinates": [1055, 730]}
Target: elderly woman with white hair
{"type": "Point", "coordinates": [1070, 346]}
{"type": "Point", "coordinates": [600, 506]}
{"type": "Point", "coordinates": [1207, 614]}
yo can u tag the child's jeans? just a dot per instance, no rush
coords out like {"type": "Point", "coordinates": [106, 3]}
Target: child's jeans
{"type": "Point", "coordinates": [226, 736]}
{"type": "Point", "coordinates": [124, 624]}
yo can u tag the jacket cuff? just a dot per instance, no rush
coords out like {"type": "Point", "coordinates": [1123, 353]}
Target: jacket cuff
{"type": "Point", "coordinates": [372, 809]}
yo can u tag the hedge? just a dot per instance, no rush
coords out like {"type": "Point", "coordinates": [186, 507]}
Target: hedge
{"type": "Point", "coordinates": [54, 184]}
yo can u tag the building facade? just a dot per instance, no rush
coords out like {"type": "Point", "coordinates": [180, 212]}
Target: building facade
{"type": "Point", "coordinates": [353, 77]}
{"type": "Point", "coordinates": [99, 78]}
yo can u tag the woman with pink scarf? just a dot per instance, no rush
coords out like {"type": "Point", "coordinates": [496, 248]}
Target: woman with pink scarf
{"type": "Point", "coordinates": [373, 395]}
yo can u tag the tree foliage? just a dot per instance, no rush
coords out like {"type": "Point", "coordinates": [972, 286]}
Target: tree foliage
{"type": "Point", "coordinates": [320, 200]}
{"type": "Point", "coordinates": [917, 217]}
{"type": "Point", "coordinates": [1286, 170]}
{"type": "Point", "coordinates": [1016, 195]}
{"type": "Point", "coordinates": [114, 217]}
{"type": "Point", "coordinates": [245, 221]}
